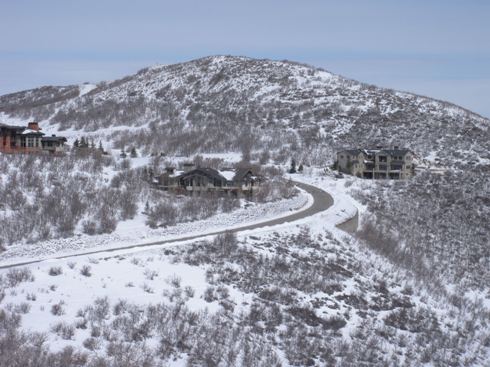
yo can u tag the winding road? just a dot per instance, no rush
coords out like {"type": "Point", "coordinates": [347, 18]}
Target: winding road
{"type": "Point", "coordinates": [321, 201]}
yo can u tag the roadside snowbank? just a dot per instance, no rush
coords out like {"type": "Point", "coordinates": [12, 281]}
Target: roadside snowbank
{"type": "Point", "coordinates": [136, 232]}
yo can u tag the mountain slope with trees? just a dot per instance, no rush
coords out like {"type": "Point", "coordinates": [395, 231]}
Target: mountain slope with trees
{"type": "Point", "coordinates": [204, 104]}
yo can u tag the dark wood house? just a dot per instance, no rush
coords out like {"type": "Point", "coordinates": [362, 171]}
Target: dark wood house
{"type": "Point", "coordinates": [30, 139]}
{"type": "Point", "coordinates": [199, 180]}
{"type": "Point", "coordinates": [203, 179]}
{"type": "Point", "coordinates": [18, 139]}
{"type": "Point", "coordinates": [53, 144]}
{"type": "Point", "coordinates": [246, 179]}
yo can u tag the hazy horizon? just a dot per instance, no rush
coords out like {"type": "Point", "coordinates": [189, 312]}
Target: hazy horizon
{"type": "Point", "coordinates": [439, 49]}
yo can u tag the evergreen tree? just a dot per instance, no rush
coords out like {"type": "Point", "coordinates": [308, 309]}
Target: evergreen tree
{"type": "Point", "coordinates": [76, 143]}
{"type": "Point", "coordinates": [123, 154]}
{"type": "Point", "coordinates": [134, 154]}
{"type": "Point", "coordinates": [83, 143]}
{"type": "Point", "coordinates": [293, 166]}
{"type": "Point", "coordinates": [300, 168]}
{"type": "Point", "coordinates": [144, 174]}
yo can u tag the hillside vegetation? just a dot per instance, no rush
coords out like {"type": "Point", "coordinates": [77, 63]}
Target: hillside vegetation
{"type": "Point", "coordinates": [205, 104]}
{"type": "Point", "coordinates": [410, 289]}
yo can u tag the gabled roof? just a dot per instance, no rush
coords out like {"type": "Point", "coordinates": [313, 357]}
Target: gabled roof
{"type": "Point", "coordinates": [396, 151]}
{"type": "Point", "coordinates": [242, 172]}
{"type": "Point", "coordinates": [210, 172]}
{"type": "Point", "coordinates": [12, 127]}
{"type": "Point", "coordinates": [370, 151]}
{"type": "Point", "coordinates": [54, 138]}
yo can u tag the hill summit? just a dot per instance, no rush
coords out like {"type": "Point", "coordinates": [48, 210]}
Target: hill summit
{"type": "Point", "coordinates": [226, 103]}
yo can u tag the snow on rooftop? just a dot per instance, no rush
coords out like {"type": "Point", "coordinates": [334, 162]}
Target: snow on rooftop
{"type": "Point", "coordinates": [177, 173]}
{"type": "Point", "coordinates": [228, 174]}
{"type": "Point", "coordinates": [30, 131]}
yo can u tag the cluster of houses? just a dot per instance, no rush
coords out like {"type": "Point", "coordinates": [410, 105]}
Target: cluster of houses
{"type": "Point", "coordinates": [29, 139]}
{"type": "Point", "coordinates": [378, 163]}
{"type": "Point", "coordinates": [197, 180]}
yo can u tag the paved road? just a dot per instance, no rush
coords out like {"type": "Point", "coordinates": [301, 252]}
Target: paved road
{"type": "Point", "coordinates": [321, 201]}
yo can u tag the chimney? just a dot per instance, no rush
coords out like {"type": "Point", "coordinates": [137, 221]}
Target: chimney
{"type": "Point", "coordinates": [33, 126]}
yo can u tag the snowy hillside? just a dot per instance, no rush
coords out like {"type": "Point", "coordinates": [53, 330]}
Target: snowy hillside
{"type": "Point", "coordinates": [204, 104]}
{"type": "Point", "coordinates": [100, 269]}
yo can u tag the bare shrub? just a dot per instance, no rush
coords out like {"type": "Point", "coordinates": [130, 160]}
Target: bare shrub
{"type": "Point", "coordinates": [210, 294]}
{"type": "Point", "coordinates": [174, 281]}
{"type": "Point", "coordinates": [119, 307]}
{"type": "Point", "coordinates": [16, 276]}
{"type": "Point", "coordinates": [348, 183]}
{"type": "Point", "coordinates": [89, 227]}
{"type": "Point", "coordinates": [275, 189]}
{"type": "Point", "coordinates": [55, 270]}
{"type": "Point", "coordinates": [334, 322]}
{"type": "Point", "coordinates": [100, 309]}
{"type": "Point", "coordinates": [189, 291]}
{"type": "Point", "coordinates": [95, 331]}
{"type": "Point", "coordinates": [150, 274]}
{"type": "Point", "coordinates": [57, 309]}
{"type": "Point", "coordinates": [81, 323]}
{"type": "Point", "coordinates": [91, 344]}
{"type": "Point", "coordinates": [226, 243]}
{"type": "Point", "coordinates": [86, 271]}
{"type": "Point", "coordinates": [147, 288]}
{"type": "Point", "coordinates": [22, 308]}
{"type": "Point", "coordinates": [65, 331]}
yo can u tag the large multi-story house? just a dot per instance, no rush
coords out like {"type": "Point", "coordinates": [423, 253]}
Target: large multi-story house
{"type": "Point", "coordinates": [196, 180]}
{"type": "Point", "coordinates": [377, 163]}
{"type": "Point", "coordinates": [30, 139]}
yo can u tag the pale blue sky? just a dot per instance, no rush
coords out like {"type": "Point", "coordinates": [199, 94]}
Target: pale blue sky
{"type": "Point", "coordinates": [435, 48]}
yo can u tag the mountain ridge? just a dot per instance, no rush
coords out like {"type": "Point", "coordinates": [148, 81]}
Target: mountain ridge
{"type": "Point", "coordinates": [304, 106]}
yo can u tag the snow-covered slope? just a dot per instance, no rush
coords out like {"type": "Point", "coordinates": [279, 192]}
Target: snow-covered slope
{"type": "Point", "coordinates": [204, 104]}
{"type": "Point", "coordinates": [412, 290]}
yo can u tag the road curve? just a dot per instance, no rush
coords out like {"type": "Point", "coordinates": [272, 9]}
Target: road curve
{"type": "Point", "coordinates": [321, 201]}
